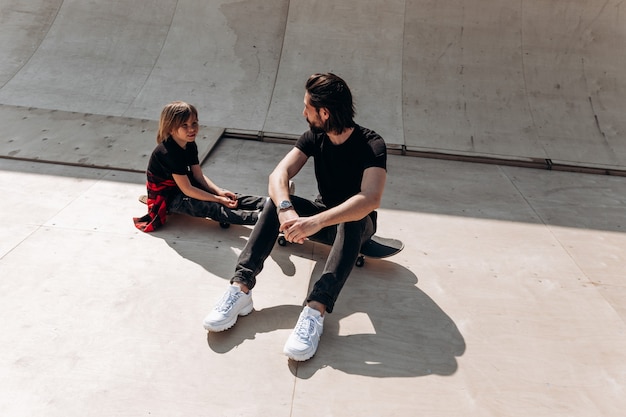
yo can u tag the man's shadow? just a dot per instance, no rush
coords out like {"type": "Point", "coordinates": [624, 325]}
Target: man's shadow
{"type": "Point", "coordinates": [410, 335]}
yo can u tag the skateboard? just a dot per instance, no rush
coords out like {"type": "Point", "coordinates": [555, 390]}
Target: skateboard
{"type": "Point", "coordinates": [376, 248]}
{"type": "Point", "coordinates": [144, 199]}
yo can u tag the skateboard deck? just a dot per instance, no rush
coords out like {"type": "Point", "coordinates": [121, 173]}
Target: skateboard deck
{"type": "Point", "coordinates": [377, 247]}
{"type": "Point", "coordinates": [144, 199]}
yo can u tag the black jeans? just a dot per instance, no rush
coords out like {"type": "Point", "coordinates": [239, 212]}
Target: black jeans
{"type": "Point", "coordinates": [346, 240]}
{"type": "Point", "coordinates": [247, 212]}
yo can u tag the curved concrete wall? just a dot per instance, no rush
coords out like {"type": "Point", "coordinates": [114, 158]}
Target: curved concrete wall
{"type": "Point", "coordinates": [510, 79]}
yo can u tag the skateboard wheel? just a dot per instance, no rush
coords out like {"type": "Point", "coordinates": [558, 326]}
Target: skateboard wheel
{"type": "Point", "coordinates": [224, 225]}
{"type": "Point", "coordinates": [360, 261]}
{"type": "Point", "coordinates": [282, 241]}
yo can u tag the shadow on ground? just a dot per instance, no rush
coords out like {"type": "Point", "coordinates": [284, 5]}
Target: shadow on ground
{"type": "Point", "coordinates": [411, 335]}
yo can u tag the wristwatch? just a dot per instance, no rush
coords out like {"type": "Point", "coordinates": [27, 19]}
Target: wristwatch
{"type": "Point", "coordinates": [285, 205]}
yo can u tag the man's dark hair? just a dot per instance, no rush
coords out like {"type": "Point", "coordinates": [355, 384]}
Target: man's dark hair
{"type": "Point", "coordinates": [332, 93]}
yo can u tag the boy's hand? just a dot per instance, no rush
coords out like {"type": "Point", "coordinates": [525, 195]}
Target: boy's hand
{"type": "Point", "coordinates": [228, 194]}
{"type": "Point", "coordinates": [228, 202]}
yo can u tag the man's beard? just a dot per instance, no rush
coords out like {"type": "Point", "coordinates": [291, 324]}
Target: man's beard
{"type": "Point", "coordinates": [314, 128]}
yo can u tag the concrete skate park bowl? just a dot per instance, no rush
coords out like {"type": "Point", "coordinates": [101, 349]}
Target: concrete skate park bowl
{"type": "Point", "coordinates": [535, 83]}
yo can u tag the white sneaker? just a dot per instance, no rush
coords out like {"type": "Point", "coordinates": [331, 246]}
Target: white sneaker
{"type": "Point", "coordinates": [302, 343]}
{"type": "Point", "coordinates": [234, 303]}
{"type": "Point", "coordinates": [292, 187]}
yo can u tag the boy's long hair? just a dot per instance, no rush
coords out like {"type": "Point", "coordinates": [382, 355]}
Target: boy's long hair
{"type": "Point", "coordinates": [173, 116]}
{"type": "Point", "coordinates": [331, 92]}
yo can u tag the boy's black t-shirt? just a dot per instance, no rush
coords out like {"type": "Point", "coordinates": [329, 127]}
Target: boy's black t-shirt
{"type": "Point", "coordinates": [339, 168]}
{"type": "Point", "coordinates": [169, 158]}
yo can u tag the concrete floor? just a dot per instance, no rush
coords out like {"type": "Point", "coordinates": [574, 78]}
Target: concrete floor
{"type": "Point", "coordinates": [508, 299]}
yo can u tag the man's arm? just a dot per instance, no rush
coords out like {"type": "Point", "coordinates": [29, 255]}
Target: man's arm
{"type": "Point", "coordinates": [297, 229]}
{"type": "Point", "coordinates": [287, 168]}
{"type": "Point", "coordinates": [359, 205]}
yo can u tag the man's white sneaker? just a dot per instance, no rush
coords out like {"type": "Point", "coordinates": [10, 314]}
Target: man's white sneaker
{"type": "Point", "coordinates": [302, 343]}
{"type": "Point", "coordinates": [234, 303]}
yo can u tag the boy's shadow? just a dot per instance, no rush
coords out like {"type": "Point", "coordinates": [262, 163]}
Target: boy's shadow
{"type": "Point", "coordinates": [409, 334]}
{"type": "Point", "coordinates": [214, 248]}
{"type": "Point", "coordinates": [205, 242]}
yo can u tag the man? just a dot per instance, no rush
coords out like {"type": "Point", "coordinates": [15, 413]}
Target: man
{"type": "Point", "coordinates": [350, 168]}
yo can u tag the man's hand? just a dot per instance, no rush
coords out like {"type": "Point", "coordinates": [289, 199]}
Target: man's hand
{"type": "Point", "coordinates": [297, 229]}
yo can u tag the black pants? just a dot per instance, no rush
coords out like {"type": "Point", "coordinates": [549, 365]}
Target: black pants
{"type": "Point", "coordinates": [247, 212]}
{"type": "Point", "coordinates": [346, 240]}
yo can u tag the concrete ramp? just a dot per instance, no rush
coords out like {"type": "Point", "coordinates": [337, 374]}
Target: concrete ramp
{"type": "Point", "coordinates": [509, 79]}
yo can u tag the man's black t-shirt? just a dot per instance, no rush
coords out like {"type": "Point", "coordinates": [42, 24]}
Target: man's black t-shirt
{"type": "Point", "coordinates": [339, 168]}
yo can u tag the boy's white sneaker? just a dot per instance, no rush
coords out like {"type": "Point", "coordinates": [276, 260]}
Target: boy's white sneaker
{"type": "Point", "coordinates": [234, 303]}
{"type": "Point", "coordinates": [302, 343]}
